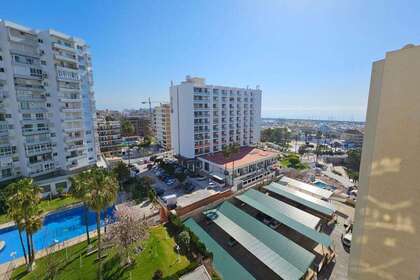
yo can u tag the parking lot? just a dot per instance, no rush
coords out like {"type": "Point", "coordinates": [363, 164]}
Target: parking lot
{"type": "Point", "coordinates": [199, 188]}
{"type": "Point", "coordinates": [338, 270]}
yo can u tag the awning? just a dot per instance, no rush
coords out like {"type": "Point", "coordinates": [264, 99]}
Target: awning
{"type": "Point", "coordinates": [224, 263]}
{"type": "Point", "coordinates": [306, 187]}
{"type": "Point", "coordinates": [302, 198]}
{"type": "Point", "coordinates": [294, 218]}
{"type": "Point", "coordinates": [281, 255]}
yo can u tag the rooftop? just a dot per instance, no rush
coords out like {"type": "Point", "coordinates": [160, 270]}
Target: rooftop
{"type": "Point", "coordinates": [200, 273]}
{"type": "Point", "coordinates": [244, 157]}
{"type": "Point", "coordinates": [306, 188]}
{"type": "Point", "coordinates": [285, 258]}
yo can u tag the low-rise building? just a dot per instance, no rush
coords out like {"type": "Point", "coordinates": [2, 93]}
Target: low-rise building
{"type": "Point", "coordinates": [247, 167]}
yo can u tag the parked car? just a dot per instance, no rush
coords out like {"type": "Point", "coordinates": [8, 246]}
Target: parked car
{"type": "Point", "coordinates": [189, 188]}
{"type": "Point", "coordinates": [160, 192]}
{"type": "Point", "coordinates": [267, 220]}
{"type": "Point", "coordinates": [232, 242]}
{"type": "Point", "coordinates": [170, 181]}
{"type": "Point", "coordinates": [274, 224]}
{"type": "Point", "coordinates": [346, 240]}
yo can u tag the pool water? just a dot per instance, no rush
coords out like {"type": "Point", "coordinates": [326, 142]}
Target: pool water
{"type": "Point", "coordinates": [324, 186]}
{"type": "Point", "coordinates": [61, 226]}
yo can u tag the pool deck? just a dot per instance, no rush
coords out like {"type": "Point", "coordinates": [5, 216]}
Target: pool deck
{"type": "Point", "coordinates": [7, 267]}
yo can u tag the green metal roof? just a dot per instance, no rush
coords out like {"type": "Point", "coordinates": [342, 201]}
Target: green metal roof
{"type": "Point", "coordinates": [302, 198]}
{"type": "Point", "coordinates": [224, 263]}
{"type": "Point", "coordinates": [281, 255]}
{"type": "Point", "coordinates": [306, 187]}
{"type": "Point", "coordinates": [292, 217]}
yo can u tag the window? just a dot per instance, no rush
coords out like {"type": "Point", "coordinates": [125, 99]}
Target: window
{"type": "Point", "coordinates": [6, 173]}
{"type": "Point", "coordinates": [1, 58]}
{"type": "Point", "coordinates": [43, 62]}
{"type": "Point", "coordinates": [40, 41]}
{"type": "Point", "coordinates": [1, 69]}
{"type": "Point", "coordinates": [48, 105]}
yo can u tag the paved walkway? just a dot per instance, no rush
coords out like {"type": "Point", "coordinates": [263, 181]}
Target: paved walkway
{"type": "Point", "coordinates": [342, 180]}
{"type": "Point", "coordinates": [5, 267]}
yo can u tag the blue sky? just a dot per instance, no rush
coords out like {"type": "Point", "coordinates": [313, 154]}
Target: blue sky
{"type": "Point", "coordinates": [312, 59]}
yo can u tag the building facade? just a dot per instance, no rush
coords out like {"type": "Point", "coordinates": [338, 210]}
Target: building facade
{"type": "Point", "coordinates": [385, 243]}
{"type": "Point", "coordinates": [247, 167]}
{"type": "Point", "coordinates": [109, 135]}
{"type": "Point", "coordinates": [205, 118]}
{"type": "Point", "coordinates": [141, 123]}
{"type": "Point", "coordinates": [47, 109]}
{"type": "Point", "coordinates": [162, 125]}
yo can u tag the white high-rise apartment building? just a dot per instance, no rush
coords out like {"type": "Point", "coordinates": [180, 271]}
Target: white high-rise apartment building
{"type": "Point", "coordinates": [204, 117]}
{"type": "Point", "coordinates": [162, 125]}
{"type": "Point", "coordinates": [47, 109]}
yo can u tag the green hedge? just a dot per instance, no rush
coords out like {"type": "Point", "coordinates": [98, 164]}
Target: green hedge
{"type": "Point", "coordinates": [176, 226]}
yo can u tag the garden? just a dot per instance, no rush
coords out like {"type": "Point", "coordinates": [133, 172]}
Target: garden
{"type": "Point", "coordinates": [158, 253]}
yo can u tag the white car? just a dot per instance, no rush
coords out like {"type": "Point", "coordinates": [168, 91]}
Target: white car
{"type": "Point", "coordinates": [346, 240]}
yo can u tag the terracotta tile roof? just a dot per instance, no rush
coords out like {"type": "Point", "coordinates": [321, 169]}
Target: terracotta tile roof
{"type": "Point", "coordinates": [245, 156]}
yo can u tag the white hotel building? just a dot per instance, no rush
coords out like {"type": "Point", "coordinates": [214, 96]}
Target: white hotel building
{"type": "Point", "coordinates": [47, 107]}
{"type": "Point", "coordinates": [207, 117]}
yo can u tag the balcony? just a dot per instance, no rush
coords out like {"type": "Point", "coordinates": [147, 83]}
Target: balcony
{"type": "Point", "coordinates": [65, 57]}
{"type": "Point", "coordinates": [64, 47]}
{"type": "Point", "coordinates": [31, 131]}
{"type": "Point", "coordinates": [31, 97]}
{"type": "Point", "coordinates": [33, 110]}
{"type": "Point", "coordinates": [70, 110]}
{"type": "Point", "coordinates": [27, 40]}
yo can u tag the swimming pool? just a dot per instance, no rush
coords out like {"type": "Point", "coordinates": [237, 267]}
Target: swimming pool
{"type": "Point", "coordinates": [61, 226]}
{"type": "Point", "coordinates": [324, 186]}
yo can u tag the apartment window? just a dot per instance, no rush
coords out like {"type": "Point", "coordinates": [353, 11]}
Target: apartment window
{"type": "Point", "coordinates": [43, 62]}
{"type": "Point", "coordinates": [1, 58]}
{"type": "Point", "coordinates": [6, 173]}
{"type": "Point", "coordinates": [40, 41]}
{"type": "Point", "coordinates": [1, 69]}
{"type": "Point", "coordinates": [48, 105]}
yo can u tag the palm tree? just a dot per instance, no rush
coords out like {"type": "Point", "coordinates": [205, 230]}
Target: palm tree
{"type": "Point", "coordinates": [33, 223]}
{"type": "Point", "coordinates": [226, 154]}
{"type": "Point", "coordinates": [78, 189]}
{"type": "Point", "coordinates": [23, 205]}
{"type": "Point", "coordinates": [234, 149]}
{"type": "Point", "coordinates": [228, 151]}
{"type": "Point", "coordinates": [14, 213]}
{"type": "Point", "coordinates": [102, 192]}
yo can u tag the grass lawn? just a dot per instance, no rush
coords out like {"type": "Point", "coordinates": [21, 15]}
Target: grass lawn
{"type": "Point", "coordinates": [158, 253]}
{"type": "Point", "coordinates": [293, 161]}
{"type": "Point", "coordinates": [48, 205]}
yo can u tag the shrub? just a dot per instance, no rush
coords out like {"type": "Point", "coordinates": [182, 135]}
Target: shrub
{"type": "Point", "coordinates": [177, 227]}
{"type": "Point", "coordinates": [158, 275]}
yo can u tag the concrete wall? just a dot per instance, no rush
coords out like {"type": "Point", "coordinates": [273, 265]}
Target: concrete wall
{"type": "Point", "coordinates": [386, 234]}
